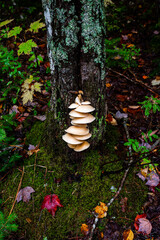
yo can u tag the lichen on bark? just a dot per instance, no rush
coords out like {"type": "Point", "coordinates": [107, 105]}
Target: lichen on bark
{"type": "Point", "coordinates": [77, 49]}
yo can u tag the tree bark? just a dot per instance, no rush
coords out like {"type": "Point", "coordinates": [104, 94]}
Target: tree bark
{"type": "Point", "coordinates": [75, 43]}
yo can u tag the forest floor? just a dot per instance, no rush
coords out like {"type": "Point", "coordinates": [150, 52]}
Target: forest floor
{"type": "Point", "coordinates": [80, 186]}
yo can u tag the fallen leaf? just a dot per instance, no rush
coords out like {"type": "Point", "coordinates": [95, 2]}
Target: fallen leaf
{"type": "Point", "coordinates": [28, 220]}
{"type": "Point", "coordinates": [51, 202]}
{"type": "Point", "coordinates": [136, 223]}
{"type": "Point", "coordinates": [121, 98]}
{"type": "Point", "coordinates": [123, 203]}
{"type": "Point", "coordinates": [145, 226]}
{"type": "Point", "coordinates": [153, 179]}
{"type": "Point", "coordinates": [134, 107]}
{"type": "Point", "coordinates": [84, 229]}
{"type": "Point", "coordinates": [128, 235]}
{"type": "Point", "coordinates": [33, 149]}
{"type": "Point", "coordinates": [145, 77]}
{"type": "Point", "coordinates": [25, 194]}
{"type": "Point", "coordinates": [120, 115]}
{"type": "Point", "coordinates": [101, 210]}
{"type": "Point", "coordinates": [40, 117]}
{"type": "Point", "coordinates": [108, 85]}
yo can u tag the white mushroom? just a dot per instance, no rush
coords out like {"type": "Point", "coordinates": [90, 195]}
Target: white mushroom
{"type": "Point", "coordinates": [84, 109]}
{"type": "Point", "coordinates": [83, 137]}
{"type": "Point", "coordinates": [72, 145]}
{"type": "Point", "coordinates": [82, 147]}
{"type": "Point", "coordinates": [85, 120]}
{"type": "Point", "coordinates": [78, 100]}
{"type": "Point", "coordinates": [73, 113]}
{"type": "Point", "coordinates": [77, 130]}
{"type": "Point", "coordinates": [86, 103]}
{"type": "Point", "coordinates": [73, 105]}
{"type": "Point", "coordinates": [70, 139]}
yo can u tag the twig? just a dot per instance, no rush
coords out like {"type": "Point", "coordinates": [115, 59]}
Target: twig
{"type": "Point", "coordinates": [122, 182]}
{"type": "Point", "coordinates": [17, 192]}
{"type": "Point", "coordinates": [136, 81]}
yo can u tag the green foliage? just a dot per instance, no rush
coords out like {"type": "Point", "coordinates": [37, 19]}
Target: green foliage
{"type": "Point", "coordinates": [143, 148]}
{"type": "Point", "coordinates": [35, 60]}
{"type": "Point", "coordinates": [26, 47]}
{"type": "Point", "coordinates": [124, 56]}
{"type": "Point", "coordinates": [4, 23]}
{"type": "Point", "coordinates": [151, 105]}
{"type": "Point", "coordinates": [11, 76]}
{"type": "Point", "coordinates": [15, 31]}
{"type": "Point", "coordinates": [7, 142]}
{"type": "Point", "coordinates": [35, 26]}
{"type": "Point", "coordinates": [7, 225]}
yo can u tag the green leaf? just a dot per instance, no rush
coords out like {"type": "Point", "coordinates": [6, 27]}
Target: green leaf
{"type": "Point", "coordinates": [15, 31]}
{"type": "Point", "coordinates": [35, 26]}
{"type": "Point", "coordinates": [2, 134]}
{"type": "Point", "coordinates": [5, 22]}
{"type": "Point", "coordinates": [26, 47]}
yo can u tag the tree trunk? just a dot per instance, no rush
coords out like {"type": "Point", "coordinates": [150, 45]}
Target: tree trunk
{"type": "Point", "coordinates": [75, 42]}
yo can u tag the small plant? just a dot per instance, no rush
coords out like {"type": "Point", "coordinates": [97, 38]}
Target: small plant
{"type": "Point", "coordinates": [7, 225]}
{"type": "Point", "coordinates": [151, 105]}
{"type": "Point", "coordinates": [124, 56]}
{"type": "Point", "coordinates": [8, 144]}
{"type": "Point", "coordinates": [143, 147]}
{"type": "Point", "coordinates": [11, 76]}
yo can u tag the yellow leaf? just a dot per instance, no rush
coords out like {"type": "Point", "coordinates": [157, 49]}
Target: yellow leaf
{"type": "Point", "coordinates": [37, 87]}
{"type": "Point", "coordinates": [144, 171]}
{"type": "Point", "coordinates": [128, 235]}
{"type": "Point", "coordinates": [27, 96]}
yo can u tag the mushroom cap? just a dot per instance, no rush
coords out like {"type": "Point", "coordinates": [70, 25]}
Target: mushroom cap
{"type": "Point", "coordinates": [84, 108]}
{"type": "Point", "coordinates": [77, 131]}
{"type": "Point", "coordinates": [83, 137]}
{"type": "Point", "coordinates": [72, 145]}
{"type": "Point", "coordinates": [73, 113]}
{"type": "Point", "coordinates": [82, 147]}
{"type": "Point", "coordinates": [85, 120]}
{"type": "Point", "coordinates": [70, 139]}
{"type": "Point", "coordinates": [73, 105]}
{"type": "Point", "coordinates": [78, 100]}
{"type": "Point", "coordinates": [86, 103]}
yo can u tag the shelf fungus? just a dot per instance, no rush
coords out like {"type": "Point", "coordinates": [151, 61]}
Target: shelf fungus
{"type": "Point", "coordinates": [77, 134]}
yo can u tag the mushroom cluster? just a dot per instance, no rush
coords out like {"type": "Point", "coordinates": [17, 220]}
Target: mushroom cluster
{"type": "Point", "coordinates": [79, 132]}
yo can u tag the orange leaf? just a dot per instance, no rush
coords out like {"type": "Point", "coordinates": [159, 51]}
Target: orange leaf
{"type": "Point", "coordinates": [128, 235]}
{"type": "Point", "coordinates": [130, 45]}
{"type": "Point", "coordinates": [145, 77]}
{"type": "Point", "coordinates": [84, 229]}
{"type": "Point", "coordinates": [101, 210]}
{"type": "Point", "coordinates": [108, 85]}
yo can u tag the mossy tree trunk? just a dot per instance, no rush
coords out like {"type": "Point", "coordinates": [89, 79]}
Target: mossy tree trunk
{"type": "Point", "coordinates": [75, 38]}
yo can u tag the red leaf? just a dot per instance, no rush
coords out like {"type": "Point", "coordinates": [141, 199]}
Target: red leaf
{"type": "Point", "coordinates": [51, 202]}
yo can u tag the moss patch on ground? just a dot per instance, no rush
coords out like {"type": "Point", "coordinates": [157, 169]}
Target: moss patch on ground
{"type": "Point", "coordinates": [80, 187]}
